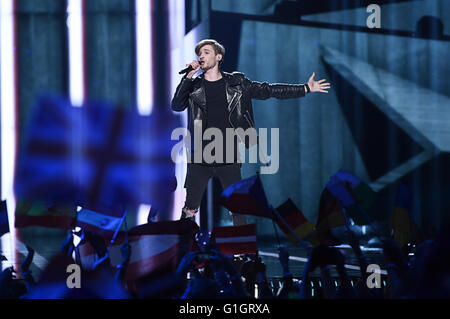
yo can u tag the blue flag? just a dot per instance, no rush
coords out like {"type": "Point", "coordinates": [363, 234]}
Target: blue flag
{"type": "Point", "coordinates": [344, 194]}
{"type": "Point", "coordinates": [4, 223]}
{"type": "Point", "coordinates": [363, 194]}
{"type": "Point", "coordinates": [338, 189]}
{"type": "Point", "coordinates": [246, 197]}
{"type": "Point", "coordinates": [96, 154]}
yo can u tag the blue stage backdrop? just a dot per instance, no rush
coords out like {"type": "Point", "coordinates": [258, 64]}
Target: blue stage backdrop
{"type": "Point", "coordinates": [386, 115]}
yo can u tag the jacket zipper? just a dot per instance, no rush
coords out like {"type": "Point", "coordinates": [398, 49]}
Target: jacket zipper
{"type": "Point", "coordinates": [231, 111]}
{"type": "Point", "coordinates": [231, 103]}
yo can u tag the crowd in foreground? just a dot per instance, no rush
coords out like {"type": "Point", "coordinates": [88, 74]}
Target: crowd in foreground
{"type": "Point", "coordinates": [209, 274]}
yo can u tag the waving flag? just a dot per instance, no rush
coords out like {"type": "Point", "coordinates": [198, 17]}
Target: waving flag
{"type": "Point", "coordinates": [330, 212]}
{"type": "Point", "coordinates": [355, 195]}
{"type": "Point", "coordinates": [4, 223]}
{"type": "Point", "coordinates": [339, 190]}
{"type": "Point", "coordinates": [400, 222]}
{"type": "Point", "coordinates": [154, 246]}
{"type": "Point", "coordinates": [44, 214]}
{"type": "Point", "coordinates": [330, 216]}
{"type": "Point", "coordinates": [403, 228]}
{"type": "Point", "coordinates": [104, 223]}
{"type": "Point", "coordinates": [94, 154]}
{"type": "Point", "coordinates": [296, 221]}
{"type": "Point", "coordinates": [347, 200]}
{"type": "Point", "coordinates": [246, 197]}
{"type": "Point", "coordinates": [362, 192]}
{"type": "Point", "coordinates": [234, 240]}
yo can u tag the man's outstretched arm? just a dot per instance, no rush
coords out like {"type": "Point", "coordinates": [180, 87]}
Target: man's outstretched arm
{"type": "Point", "coordinates": [264, 90]}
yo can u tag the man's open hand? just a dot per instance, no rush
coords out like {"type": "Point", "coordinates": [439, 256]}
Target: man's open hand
{"type": "Point", "coordinates": [318, 86]}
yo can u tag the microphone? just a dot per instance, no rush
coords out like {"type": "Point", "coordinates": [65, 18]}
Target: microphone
{"type": "Point", "coordinates": [186, 70]}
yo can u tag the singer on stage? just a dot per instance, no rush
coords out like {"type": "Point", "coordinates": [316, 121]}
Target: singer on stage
{"type": "Point", "coordinates": [222, 100]}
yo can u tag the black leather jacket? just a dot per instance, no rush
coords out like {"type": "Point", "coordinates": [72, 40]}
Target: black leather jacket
{"type": "Point", "coordinates": [240, 91]}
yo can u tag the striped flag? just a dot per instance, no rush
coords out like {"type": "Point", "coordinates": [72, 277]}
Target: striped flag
{"type": "Point", "coordinates": [154, 247]}
{"type": "Point", "coordinates": [148, 253]}
{"type": "Point", "coordinates": [4, 222]}
{"type": "Point", "coordinates": [39, 213]}
{"type": "Point", "coordinates": [246, 197]}
{"type": "Point", "coordinates": [295, 219]}
{"type": "Point", "coordinates": [234, 240]}
{"type": "Point", "coordinates": [104, 223]}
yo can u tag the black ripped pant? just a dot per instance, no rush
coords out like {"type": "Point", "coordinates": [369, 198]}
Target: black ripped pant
{"type": "Point", "coordinates": [197, 178]}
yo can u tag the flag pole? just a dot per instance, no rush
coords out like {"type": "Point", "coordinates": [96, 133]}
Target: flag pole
{"type": "Point", "coordinates": [266, 163]}
{"type": "Point", "coordinates": [273, 216]}
{"type": "Point", "coordinates": [275, 228]}
{"type": "Point", "coordinates": [346, 218]}
{"type": "Point", "coordinates": [375, 229]}
{"type": "Point", "coordinates": [118, 227]}
{"type": "Point", "coordinates": [78, 257]}
{"type": "Point", "coordinates": [273, 212]}
{"type": "Point", "coordinates": [126, 229]}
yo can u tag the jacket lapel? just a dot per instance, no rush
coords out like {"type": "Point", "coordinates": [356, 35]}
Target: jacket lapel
{"type": "Point", "coordinates": [198, 95]}
{"type": "Point", "coordinates": [231, 86]}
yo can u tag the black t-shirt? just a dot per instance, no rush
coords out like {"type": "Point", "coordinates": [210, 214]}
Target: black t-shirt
{"type": "Point", "coordinates": [217, 117]}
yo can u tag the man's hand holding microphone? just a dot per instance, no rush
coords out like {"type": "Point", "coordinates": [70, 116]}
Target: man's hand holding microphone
{"type": "Point", "coordinates": [191, 69]}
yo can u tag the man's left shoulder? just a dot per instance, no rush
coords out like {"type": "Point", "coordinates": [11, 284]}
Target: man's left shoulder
{"type": "Point", "coordinates": [238, 74]}
{"type": "Point", "coordinates": [235, 77]}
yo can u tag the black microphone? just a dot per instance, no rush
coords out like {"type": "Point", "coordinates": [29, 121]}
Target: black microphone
{"type": "Point", "coordinates": [186, 70]}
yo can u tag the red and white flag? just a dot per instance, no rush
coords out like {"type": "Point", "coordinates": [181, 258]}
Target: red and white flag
{"type": "Point", "coordinates": [148, 253]}
{"type": "Point", "coordinates": [234, 240]}
{"type": "Point", "coordinates": [153, 246]}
